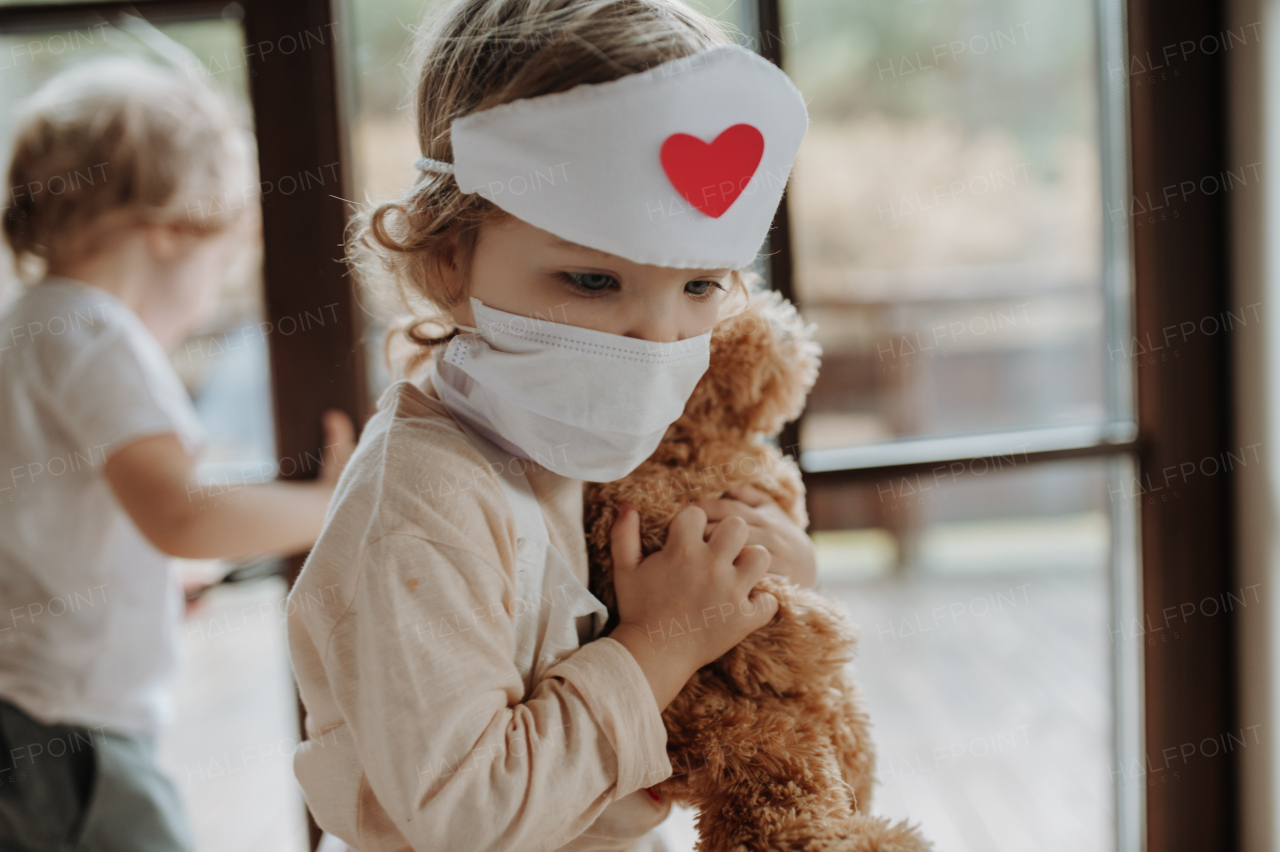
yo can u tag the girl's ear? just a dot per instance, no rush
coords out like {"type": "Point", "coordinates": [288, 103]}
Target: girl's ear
{"type": "Point", "coordinates": [452, 276]}
{"type": "Point", "coordinates": [448, 263]}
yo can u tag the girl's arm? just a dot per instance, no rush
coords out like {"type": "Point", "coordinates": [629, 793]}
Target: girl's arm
{"type": "Point", "coordinates": [154, 480]}
{"type": "Point", "coordinates": [419, 666]}
{"type": "Point", "coordinates": [411, 663]}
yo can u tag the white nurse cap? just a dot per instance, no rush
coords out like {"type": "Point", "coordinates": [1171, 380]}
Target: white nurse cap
{"type": "Point", "coordinates": [681, 165]}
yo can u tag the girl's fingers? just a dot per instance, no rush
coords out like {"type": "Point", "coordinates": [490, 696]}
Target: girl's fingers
{"type": "Point", "coordinates": [339, 443]}
{"type": "Point", "coordinates": [728, 538]}
{"type": "Point", "coordinates": [750, 495]}
{"type": "Point", "coordinates": [689, 524]}
{"type": "Point", "coordinates": [753, 562]}
{"type": "Point", "coordinates": [755, 535]}
{"type": "Point", "coordinates": [766, 607]}
{"type": "Point", "coordinates": [624, 538]}
{"type": "Point", "coordinates": [718, 510]}
{"type": "Point", "coordinates": [338, 429]}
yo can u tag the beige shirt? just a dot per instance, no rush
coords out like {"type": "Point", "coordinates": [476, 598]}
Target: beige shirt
{"type": "Point", "coordinates": [420, 734]}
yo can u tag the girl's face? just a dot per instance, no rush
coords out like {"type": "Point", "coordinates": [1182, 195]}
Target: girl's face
{"type": "Point", "coordinates": [525, 270]}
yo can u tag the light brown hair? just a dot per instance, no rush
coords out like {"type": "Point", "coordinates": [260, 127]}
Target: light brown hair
{"type": "Point", "coordinates": [115, 143]}
{"type": "Point", "coordinates": [476, 54]}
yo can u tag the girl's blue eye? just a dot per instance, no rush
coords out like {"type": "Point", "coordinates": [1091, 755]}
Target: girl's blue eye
{"type": "Point", "coordinates": [701, 288]}
{"type": "Point", "coordinates": [591, 280]}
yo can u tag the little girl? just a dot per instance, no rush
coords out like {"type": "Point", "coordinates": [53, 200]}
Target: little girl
{"type": "Point", "coordinates": [596, 173]}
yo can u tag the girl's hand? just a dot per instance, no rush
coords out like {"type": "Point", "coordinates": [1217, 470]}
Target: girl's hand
{"type": "Point", "coordinates": [339, 444]}
{"type": "Point", "coordinates": [689, 603]}
{"type": "Point", "coordinates": [770, 527]}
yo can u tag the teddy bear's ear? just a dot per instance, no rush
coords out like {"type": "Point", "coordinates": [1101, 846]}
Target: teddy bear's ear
{"type": "Point", "coordinates": [764, 360]}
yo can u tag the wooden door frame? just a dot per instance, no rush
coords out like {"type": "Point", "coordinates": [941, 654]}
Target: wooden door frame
{"type": "Point", "coordinates": [1178, 127]}
{"type": "Point", "coordinates": [300, 118]}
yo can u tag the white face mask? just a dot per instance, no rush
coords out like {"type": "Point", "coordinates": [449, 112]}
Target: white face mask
{"type": "Point", "coordinates": [586, 404]}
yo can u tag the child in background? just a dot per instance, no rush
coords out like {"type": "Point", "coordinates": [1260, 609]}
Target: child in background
{"type": "Point", "coordinates": [98, 442]}
{"type": "Point", "coordinates": [595, 173]}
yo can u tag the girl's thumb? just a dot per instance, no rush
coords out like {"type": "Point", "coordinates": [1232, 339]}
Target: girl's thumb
{"type": "Point", "coordinates": [768, 606]}
{"type": "Point", "coordinates": [624, 538]}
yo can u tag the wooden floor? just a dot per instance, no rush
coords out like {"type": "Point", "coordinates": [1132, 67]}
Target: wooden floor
{"type": "Point", "coordinates": [990, 702]}
{"type": "Point", "coordinates": [230, 748]}
{"type": "Point", "coordinates": [989, 698]}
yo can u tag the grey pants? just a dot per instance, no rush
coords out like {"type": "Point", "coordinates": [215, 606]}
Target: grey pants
{"type": "Point", "coordinates": [71, 789]}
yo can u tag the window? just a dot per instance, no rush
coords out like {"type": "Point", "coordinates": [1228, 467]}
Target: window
{"type": "Point", "coordinates": [946, 216]}
{"type": "Point", "coordinates": [946, 234]}
{"type": "Point", "coordinates": [975, 224]}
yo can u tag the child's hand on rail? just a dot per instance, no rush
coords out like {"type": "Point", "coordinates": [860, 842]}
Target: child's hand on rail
{"type": "Point", "coordinates": [339, 444]}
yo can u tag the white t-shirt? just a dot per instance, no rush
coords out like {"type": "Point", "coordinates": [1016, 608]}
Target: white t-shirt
{"type": "Point", "coordinates": [89, 611]}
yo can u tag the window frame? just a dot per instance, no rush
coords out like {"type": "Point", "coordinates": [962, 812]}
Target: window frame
{"type": "Point", "coordinates": [1178, 129]}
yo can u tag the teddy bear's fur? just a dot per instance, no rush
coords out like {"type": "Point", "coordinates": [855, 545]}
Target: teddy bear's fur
{"type": "Point", "coordinates": [770, 742]}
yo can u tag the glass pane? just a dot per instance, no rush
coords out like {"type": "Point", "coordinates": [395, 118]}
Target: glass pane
{"type": "Point", "coordinates": [234, 696]}
{"type": "Point", "coordinates": [946, 215]}
{"type": "Point", "coordinates": [983, 598]}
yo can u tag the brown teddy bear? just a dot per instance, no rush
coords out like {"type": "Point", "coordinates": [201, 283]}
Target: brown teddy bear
{"type": "Point", "coordinates": [770, 742]}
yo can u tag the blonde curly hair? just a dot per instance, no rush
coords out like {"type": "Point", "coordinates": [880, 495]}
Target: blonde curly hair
{"type": "Point", "coordinates": [119, 142]}
{"type": "Point", "coordinates": [472, 55]}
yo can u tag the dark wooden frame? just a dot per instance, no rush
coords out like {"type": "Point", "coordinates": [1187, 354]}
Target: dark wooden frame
{"type": "Point", "coordinates": [1178, 126]}
{"type": "Point", "coordinates": [300, 121]}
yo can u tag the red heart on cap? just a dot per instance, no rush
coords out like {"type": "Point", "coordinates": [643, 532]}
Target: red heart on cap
{"type": "Point", "coordinates": [711, 177]}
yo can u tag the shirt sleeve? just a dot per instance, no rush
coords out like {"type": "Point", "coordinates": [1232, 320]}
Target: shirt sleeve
{"type": "Point", "coordinates": [120, 387]}
{"type": "Point", "coordinates": [452, 751]}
